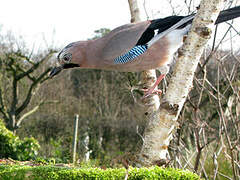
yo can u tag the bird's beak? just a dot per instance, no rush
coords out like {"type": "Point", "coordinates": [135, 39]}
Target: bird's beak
{"type": "Point", "coordinates": [58, 69]}
{"type": "Point", "coordinates": [55, 71]}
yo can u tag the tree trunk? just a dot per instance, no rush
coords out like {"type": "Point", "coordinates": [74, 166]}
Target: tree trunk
{"type": "Point", "coordinates": [162, 122]}
{"type": "Point", "coordinates": [134, 10]}
{"type": "Point", "coordinates": [13, 111]}
{"type": "Point", "coordinates": [148, 78]}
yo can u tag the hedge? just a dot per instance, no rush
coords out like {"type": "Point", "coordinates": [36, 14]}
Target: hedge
{"type": "Point", "coordinates": [12, 146]}
{"type": "Point", "coordinates": [16, 172]}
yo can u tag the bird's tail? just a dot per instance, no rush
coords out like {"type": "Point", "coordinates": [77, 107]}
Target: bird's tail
{"type": "Point", "coordinates": [228, 14]}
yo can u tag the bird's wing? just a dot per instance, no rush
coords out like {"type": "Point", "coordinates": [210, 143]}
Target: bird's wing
{"type": "Point", "coordinates": [122, 39]}
{"type": "Point", "coordinates": [228, 14]}
{"type": "Point", "coordinates": [127, 42]}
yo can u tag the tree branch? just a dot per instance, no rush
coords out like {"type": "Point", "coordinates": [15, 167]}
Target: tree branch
{"type": "Point", "coordinates": [28, 114]}
{"type": "Point", "coordinates": [159, 132]}
{"type": "Point", "coordinates": [34, 67]}
{"type": "Point", "coordinates": [30, 91]}
{"type": "Point", "coordinates": [14, 84]}
{"type": "Point", "coordinates": [2, 105]}
{"type": "Point", "coordinates": [32, 111]}
{"type": "Point", "coordinates": [214, 50]}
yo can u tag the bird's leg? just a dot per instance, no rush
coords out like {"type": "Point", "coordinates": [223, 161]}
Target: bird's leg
{"type": "Point", "coordinates": [152, 89]}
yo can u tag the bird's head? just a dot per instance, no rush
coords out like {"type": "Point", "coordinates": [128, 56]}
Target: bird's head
{"type": "Point", "coordinates": [69, 57]}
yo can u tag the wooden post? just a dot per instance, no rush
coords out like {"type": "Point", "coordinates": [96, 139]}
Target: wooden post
{"type": "Point", "coordinates": [75, 138]}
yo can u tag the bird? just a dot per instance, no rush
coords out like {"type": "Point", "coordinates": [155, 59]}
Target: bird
{"type": "Point", "coordinates": [134, 47]}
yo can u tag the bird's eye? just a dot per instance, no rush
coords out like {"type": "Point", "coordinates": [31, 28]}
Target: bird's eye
{"type": "Point", "coordinates": [67, 57]}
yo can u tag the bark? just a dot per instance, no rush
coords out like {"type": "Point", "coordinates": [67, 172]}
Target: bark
{"type": "Point", "coordinates": [159, 131]}
{"type": "Point", "coordinates": [134, 11]}
{"type": "Point", "coordinates": [148, 78]}
{"type": "Point", "coordinates": [12, 112]}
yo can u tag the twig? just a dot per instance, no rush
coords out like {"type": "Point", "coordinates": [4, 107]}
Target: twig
{"type": "Point", "coordinates": [225, 127]}
{"type": "Point", "coordinates": [139, 134]}
{"type": "Point", "coordinates": [145, 10]}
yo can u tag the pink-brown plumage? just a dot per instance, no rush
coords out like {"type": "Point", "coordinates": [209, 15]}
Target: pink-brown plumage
{"type": "Point", "coordinates": [133, 47]}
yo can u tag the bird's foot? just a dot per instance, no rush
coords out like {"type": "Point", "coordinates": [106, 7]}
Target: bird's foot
{"type": "Point", "coordinates": [148, 92]}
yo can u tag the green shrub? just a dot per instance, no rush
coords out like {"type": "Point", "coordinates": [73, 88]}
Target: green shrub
{"type": "Point", "coordinates": [13, 147]}
{"type": "Point", "coordinates": [60, 173]}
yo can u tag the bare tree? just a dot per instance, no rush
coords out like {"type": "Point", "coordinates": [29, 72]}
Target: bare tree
{"type": "Point", "coordinates": [207, 141]}
{"type": "Point", "coordinates": [147, 77]}
{"type": "Point", "coordinates": [15, 92]}
{"type": "Point", "coordinates": [161, 123]}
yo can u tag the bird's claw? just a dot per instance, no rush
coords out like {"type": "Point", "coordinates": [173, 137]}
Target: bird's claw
{"type": "Point", "coordinates": [149, 92]}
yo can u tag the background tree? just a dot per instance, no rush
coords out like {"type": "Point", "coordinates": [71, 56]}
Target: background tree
{"type": "Point", "coordinates": [147, 78]}
{"type": "Point", "coordinates": [20, 78]}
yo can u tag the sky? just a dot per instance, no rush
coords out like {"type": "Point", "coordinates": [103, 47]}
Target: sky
{"type": "Point", "coordinates": [43, 23]}
{"type": "Point", "coordinates": [61, 22]}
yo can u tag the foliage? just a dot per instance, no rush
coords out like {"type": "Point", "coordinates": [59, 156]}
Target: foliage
{"type": "Point", "coordinates": [13, 147]}
{"type": "Point", "coordinates": [58, 153]}
{"type": "Point", "coordinates": [58, 173]}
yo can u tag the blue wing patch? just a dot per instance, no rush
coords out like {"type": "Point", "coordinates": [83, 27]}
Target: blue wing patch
{"type": "Point", "coordinates": [131, 54]}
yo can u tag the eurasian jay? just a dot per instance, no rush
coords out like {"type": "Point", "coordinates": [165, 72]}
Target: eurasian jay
{"type": "Point", "coordinates": [134, 47]}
